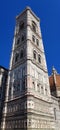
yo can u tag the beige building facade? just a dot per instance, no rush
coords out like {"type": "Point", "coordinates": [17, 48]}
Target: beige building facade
{"type": "Point", "coordinates": [29, 104]}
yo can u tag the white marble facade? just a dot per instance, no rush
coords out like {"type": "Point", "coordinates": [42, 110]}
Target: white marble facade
{"type": "Point", "coordinates": [28, 89]}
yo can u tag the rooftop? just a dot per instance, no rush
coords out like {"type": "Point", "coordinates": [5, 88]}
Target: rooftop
{"type": "Point", "coordinates": [28, 8]}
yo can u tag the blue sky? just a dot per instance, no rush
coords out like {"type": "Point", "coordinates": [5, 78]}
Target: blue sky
{"type": "Point", "coordinates": [49, 13]}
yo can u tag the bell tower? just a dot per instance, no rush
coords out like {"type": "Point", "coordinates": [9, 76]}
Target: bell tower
{"type": "Point", "coordinates": [28, 99]}
{"type": "Point", "coordinates": [37, 75]}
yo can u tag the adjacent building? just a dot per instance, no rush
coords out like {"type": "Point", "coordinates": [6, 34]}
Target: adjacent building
{"type": "Point", "coordinates": [28, 104]}
{"type": "Point", "coordinates": [3, 79]}
{"type": "Point", "coordinates": [54, 80]}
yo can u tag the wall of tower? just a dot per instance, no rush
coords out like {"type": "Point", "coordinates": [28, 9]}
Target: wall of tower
{"type": "Point", "coordinates": [36, 70]}
{"type": "Point", "coordinates": [40, 112]}
{"type": "Point", "coordinates": [28, 104]}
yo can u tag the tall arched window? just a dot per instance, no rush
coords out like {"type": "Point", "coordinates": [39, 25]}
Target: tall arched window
{"type": "Point", "coordinates": [34, 26]}
{"type": "Point", "coordinates": [22, 37]}
{"type": "Point", "coordinates": [33, 38]}
{"type": "Point", "coordinates": [37, 41]}
{"type": "Point", "coordinates": [18, 41]}
{"type": "Point", "coordinates": [16, 57]}
{"type": "Point", "coordinates": [21, 54]}
{"type": "Point", "coordinates": [21, 26]}
{"type": "Point", "coordinates": [34, 54]}
{"type": "Point", "coordinates": [39, 58]}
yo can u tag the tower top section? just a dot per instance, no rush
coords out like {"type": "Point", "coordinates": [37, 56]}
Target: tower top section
{"type": "Point", "coordinates": [28, 8]}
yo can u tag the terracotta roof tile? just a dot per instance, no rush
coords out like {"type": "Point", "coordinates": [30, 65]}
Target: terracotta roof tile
{"type": "Point", "coordinates": [57, 80]}
{"type": "Point", "coordinates": [51, 81]}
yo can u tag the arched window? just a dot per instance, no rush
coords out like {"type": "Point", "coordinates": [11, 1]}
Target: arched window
{"type": "Point", "coordinates": [39, 58]}
{"type": "Point", "coordinates": [18, 41]}
{"type": "Point", "coordinates": [22, 37]}
{"type": "Point", "coordinates": [34, 54]}
{"type": "Point", "coordinates": [37, 41]}
{"type": "Point", "coordinates": [16, 57]}
{"type": "Point", "coordinates": [33, 38]}
{"type": "Point", "coordinates": [34, 26]}
{"type": "Point", "coordinates": [21, 26]}
{"type": "Point", "coordinates": [21, 54]}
